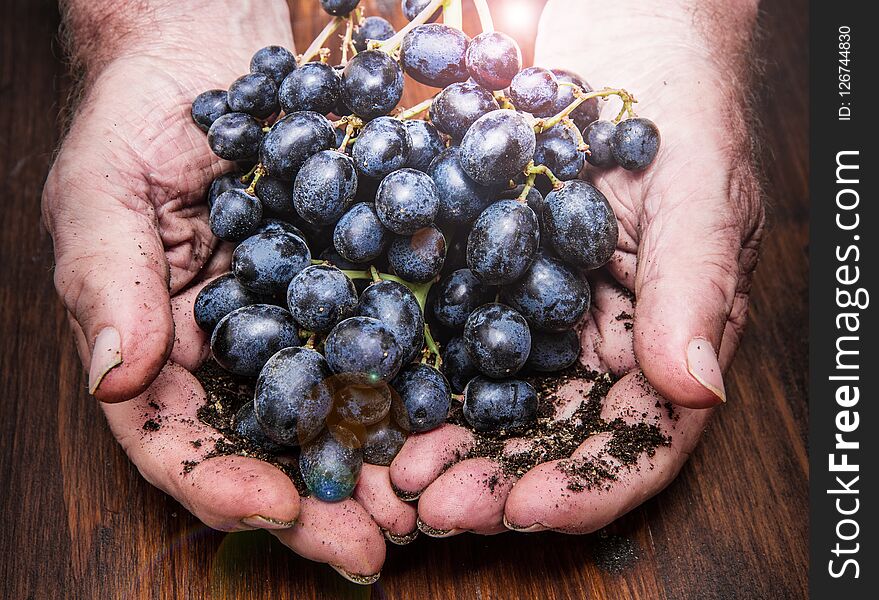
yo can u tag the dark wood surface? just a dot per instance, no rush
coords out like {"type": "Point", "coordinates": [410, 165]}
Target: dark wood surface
{"type": "Point", "coordinates": [77, 520]}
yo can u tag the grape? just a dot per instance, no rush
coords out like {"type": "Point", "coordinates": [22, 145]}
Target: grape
{"type": "Point", "coordinates": [551, 296]}
{"type": "Point", "coordinates": [227, 181]}
{"type": "Point", "coordinates": [493, 59]}
{"type": "Point", "coordinates": [598, 135]}
{"type": "Point", "coordinates": [497, 147]}
{"type": "Point", "coordinates": [382, 147]}
{"type": "Point", "coordinates": [359, 236]}
{"type": "Point", "coordinates": [495, 406]}
{"type": "Point", "coordinates": [635, 143]}
{"type": "Point", "coordinates": [434, 55]}
{"type": "Point", "coordinates": [458, 295]}
{"type": "Point", "coordinates": [320, 296]}
{"type": "Point", "coordinates": [395, 305]}
{"type": "Point", "coordinates": [325, 187]}
{"type": "Point", "coordinates": [559, 149]}
{"type": "Point", "coordinates": [292, 140]}
{"type": "Point", "coordinates": [275, 61]}
{"type": "Point", "coordinates": [412, 8]}
{"type": "Point", "coordinates": [335, 259]}
{"type": "Point", "coordinates": [277, 226]}
{"type": "Point", "coordinates": [503, 242]}
{"type": "Point", "coordinates": [425, 398]}
{"type": "Point", "coordinates": [220, 297]}
{"type": "Point", "coordinates": [348, 433]}
{"type": "Point", "coordinates": [275, 195]}
{"type": "Point", "coordinates": [407, 200]}
{"type": "Point", "coordinates": [235, 136]}
{"type": "Point", "coordinates": [267, 262]}
{"type": "Point", "coordinates": [460, 198]}
{"type": "Point", "coordinates": [255, 94]}
{"type": "Point", "coordinates": [372, 84]}
{"type": "Point", "coordinates": [425, 144]}
{"type": "Point", "coordinates": [384, 440]}
{"type": "Point", "coordinates": [458, 106]}
{"type": "Point", "coordinates": [581, 225]}
{"type": "Point", "coordinates": [361, 404]}
{"type": "Point", "coordinates": [553, 351]}
{"type": "Point", "coordinates": [235, 215]}
{"type": "Point", "coordinates": [314, 86]}
{"type": "Point", "coordinates": [339, 8]}
{"type": "Point", "coordinates": [497, 339]}
{"type": "Point", "coordinates": [418, 258]}
{"type": "Point", "coordinates": [457, 365]}
{"type": "Point", "coordinates": [364, 348]}
{"type": "Point", "coordinates": [248, 427]}
{"type": "Point", "coordinates": [372, 28]}
{"type": "Point", "coordinates": [208, 107]}
{"type": "Point", "coordinates": [584, 114]}
{"type": "Point", "coordinates": [533, 89]}
{"type": "Point", "coordinates": [330, 468]}
{"type": "Point", "coordinates": [246, 338]}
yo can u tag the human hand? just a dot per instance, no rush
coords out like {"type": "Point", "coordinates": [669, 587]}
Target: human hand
{"type": "Point", "coordinates": [125, 205]}
{"type": "Point", "coordinates": [690, 228]}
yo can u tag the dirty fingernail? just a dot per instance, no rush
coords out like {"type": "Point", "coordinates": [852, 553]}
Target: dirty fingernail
{"type": "Point", "coordinates": [529, 529]}
{"type": "Point", "coordinates": [106, 355]}
{"type": "Point", "coordinates": [703, 366]}
{"type": "Point", "coordinates": [434, 532]}
{"type": "Point", "coordinates": [400, 540]}
{"type": "Point", "coordinates": [261, 522]}
{"type": "Point", "coordinates": [358, 579]}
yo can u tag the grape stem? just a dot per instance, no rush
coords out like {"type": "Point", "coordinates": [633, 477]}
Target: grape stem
{"type": "Point", "coordinates": [503, 101]}
{"type": "Point", "coordinates": [319, 41]}
{"type": "Point", "coordinates": [312, 338]}
{"type": "Point", "coordinates": [579, 98]}
{"type": "Point", "coordinates": [392, 43]}
{"type": "Point", "coordinates": [416, 110]}
{"type": "Point", "coordinates": [529, 183]}
{"type": "Point", "coordinates": [246, 177]}
{"type": "Point", "coordinates": [582, 146]}
{"type": "Point", "coordinates": [349, 131]}
{"type": "Point", "coordinates": [533, 169]}
{"type": "Point", "coordinates": [346, 40]}
{"type": "Point", "coordinates": [453, 14]}
{"type": "Point", "coordinates": [484, 16]}
{"type": "Point", "coordinates": [258, 171]}
{"type": "Point", "coordinates": [432, 346]}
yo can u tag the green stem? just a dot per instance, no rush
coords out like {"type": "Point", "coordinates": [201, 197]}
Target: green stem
{"type": "Point", "coordinates": [319, 41]}
{"type": "Point", "coordinates": [394, 42]}
{"type": "Point", "coordinates": [432, 346]}
{"type": "Point", "coordinates": [529, 183]}
{"type": "Point", "coordinates": [579, 98]}
{"type": "Point", "coordinates": [416, 110]}
{"type": "Point", "coordinates": [484, 16]}
{"type": "Point", "coordinates": [349, 131]}
{"type": "Point", "coordinates": [246, 177]}
{"type": "Point", "coordinates": [258, 172]}
{"type": "Point", "coordinates": [533, 169]}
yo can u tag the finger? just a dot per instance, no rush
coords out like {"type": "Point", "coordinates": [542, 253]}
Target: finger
{"type": "Point", "coordinates": [341, 534]}
{"type": "Point", "coordinates": [425, 456]}
{"type": "Point", "coordinates": [566, 495]}
{"type": "Point", "coordinates": [162, 435]}
{"type": "Point", "coordinates": [606, 337]}
{"type": "Point", "coordinates": [395, 517]}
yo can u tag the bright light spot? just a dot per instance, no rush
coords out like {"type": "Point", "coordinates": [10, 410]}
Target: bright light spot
{"type": "Point", "coordinates": [515, 16]}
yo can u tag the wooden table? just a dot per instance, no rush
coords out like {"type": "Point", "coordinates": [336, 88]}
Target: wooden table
{"type": "Point", "coordinates": [78, 522]}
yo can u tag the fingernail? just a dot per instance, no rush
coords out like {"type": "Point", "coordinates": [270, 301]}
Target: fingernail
{"type": "Point", "coordinates": [358, 579]}
{"type": "Point", "coordinates": [261, 522]}
{"type": "Point", "coordinates": [401, 540]}
{"type": "Point", "coordinates": [404, 495]}
{"type": "Point", "coordinates": [702, 364]}
{"type": "Point", "coordinates": [434, 532]}
{"type": "Point", "coordinates": [106, 355]}
{"type": "Point", "coordinates": [529, 529]}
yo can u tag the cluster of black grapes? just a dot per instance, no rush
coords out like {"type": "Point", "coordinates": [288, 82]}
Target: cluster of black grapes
{"type": "Point", "coordinates": [343, 226]}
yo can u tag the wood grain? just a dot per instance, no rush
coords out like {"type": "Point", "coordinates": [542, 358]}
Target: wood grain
{"type": "Point", "coordinates": [77, 520]}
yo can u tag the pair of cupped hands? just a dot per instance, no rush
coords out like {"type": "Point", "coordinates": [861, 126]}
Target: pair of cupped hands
{"type": "Point", "coordinates": [125, 204]}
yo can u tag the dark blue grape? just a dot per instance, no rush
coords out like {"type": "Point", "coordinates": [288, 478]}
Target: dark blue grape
{"type": "Point", "coordinates": [426, 144]}
{"type": "Point", "coordinates": [551, 296]}
{"type": "Point", "coordinates": [457, 365]}
{"type": "Point", "coordinates": [267, 262]}
{"type": "Point", "coordinates": [235, 136]}
{"type": "Point", "coordinates": [330, 468]}
{"type": "Point", "coordinates": [325, 187]}
{"type": "Point", "coordinates": [533, 89]}
{"type": "Point", "coordinates": [419, 257]}
{"type": "Point", "coordinates": [255, 94]}
{"type": "Point", "coordinates": [458, 295]}
{"type": "Point", "coordinates": [553, 351]}
{"type": "Point", "coordinates": [498, 340]}
{"type": "Point", "coordinates": [248, 427]}
{"type": "Point", "coordinates": [339, 8]}
{"type": "Point", "coordinates": [458, 106]}
{"type": "Point", "coordinates": [246, 338]}
{"type": "Point", "coordinates": [497, 147]}
{"type": "Point", "coordinates": [461, 198]}
{"type": "Point", "coordinates": [383, 442]}
{"type": "Point", "coordinates": [372, 28]}
{"type": "Point", "coordinates": [503, 242]}
{"type": "Point", "coordinates": [412, 8]}
{"type": "Point", "coordinates": [227, 181]}
{"type": "Point", "coordinates": [425, 398]}
{"type": "Point", "coordinates": [598, 135]}
{"type": "Point", "coordinates": [360, 405]}
{"type": "Point", "coordinates": [559, 149]}
{"type": "Point", "coordinates": [372, 84]}
{"type": "Point", "coordinates": [395, 305]}
{"type": "Point", "coordinates": [235, 215]}
{"type": "Point", "coordinates": [635, 143]}
{"type": "Point", "coordinates": [381, 147]}
{"type": "Point", "coordinates": [276, 196]}
{"type": "Point", "coordinates": [275, 61]}
{"type": "Point", "coordinates": [493, 59]}
{"type": "Point", "coordinates": [320, 296]}
{"type": "Point", "coordinates": [581, 225]}
{"type": "Point", "coordinates": [496, 406]}
{"type": "Point", "coordinates": [359, 236]}
{"type": "Point", "coordinates": [278, 226]}
{"type": "Point", "coordinates": [434, 55]}
{"type": "Point", "coordinates": [364, 348]}
{"type": "Point", "coordinates": [332, 256]}
{"type": "Point", "coordinates": [314, 86]}
{"type": "Point", "coordinates": [208, 107]}
{"type": "Point", "coordinates": [292, 140]}
{"type": "Point", "coordinates": [406, 201]}
{"type": "Point", "coordinates": [220, 297]}
{"type": "Point", "coordinates": [583, 114]}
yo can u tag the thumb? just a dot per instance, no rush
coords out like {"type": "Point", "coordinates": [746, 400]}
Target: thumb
{"type": "Point", "coordinates": [111, 275]}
